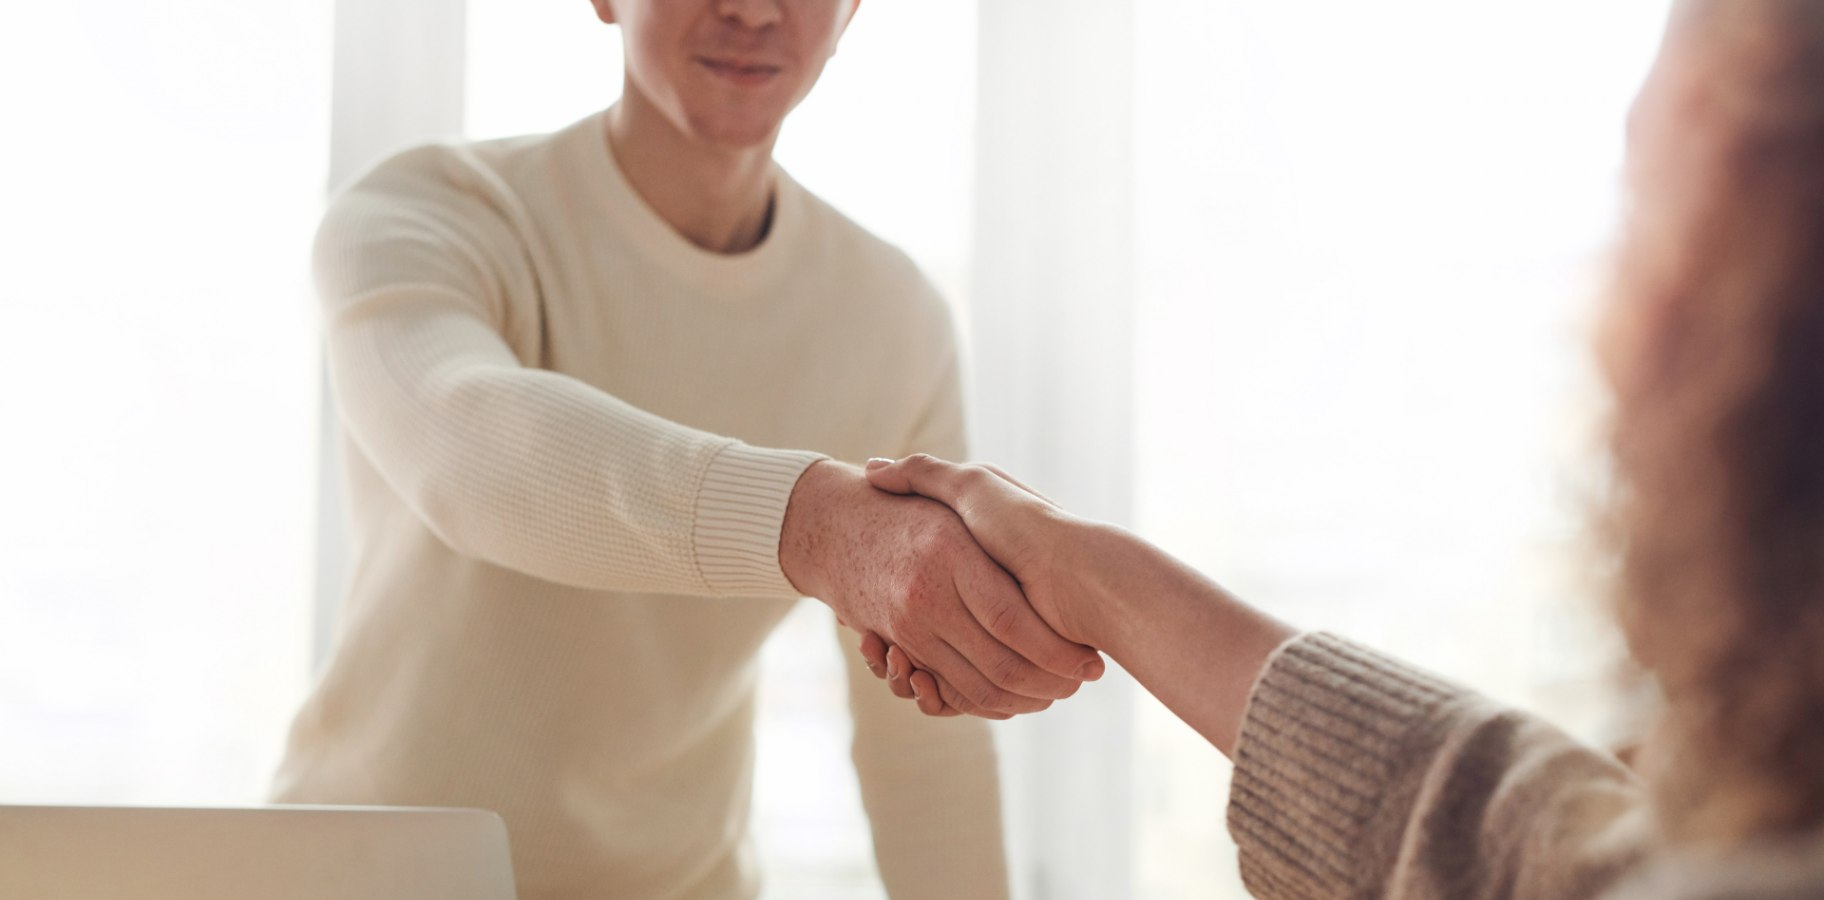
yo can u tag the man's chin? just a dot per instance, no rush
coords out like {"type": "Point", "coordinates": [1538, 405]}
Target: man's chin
{"type": "Point", "coordinates": [738, 132]}
{"type": "Point", "coordinates": [752, 139]}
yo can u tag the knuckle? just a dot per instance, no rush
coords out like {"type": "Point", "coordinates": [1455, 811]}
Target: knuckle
{"type": "Point", "coordinates": [983, 698]}
{"type": "Point", "coordinates": [938, 537]}
{"type": "Point", "coordinates": [925, 608]}
{"type": "Point", "coordinates": [900, 619]}
{"type": "Point", "coordinates": [1000, 618]}
{"type": "Point", "coordinates": [917, 595]}
{"type": "Point", "coordinates": [955, 699]}
{"type": "Point", "coordinates": [930, 583]}
{"type": "Point", "coordinates": [1007, 671]}
{"type": "Point", "coordinates": [1004, 702]}
{"type": "Point", "coordinates": [1063, 659]}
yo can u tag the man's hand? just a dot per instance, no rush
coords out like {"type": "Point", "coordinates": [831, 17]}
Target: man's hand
{"type": "Point", "coordinates": [1195, 646]}
{"type": "Point", "coordinates": [1019, 528]}
{"type": "Point", "coordinates": [906, 568]}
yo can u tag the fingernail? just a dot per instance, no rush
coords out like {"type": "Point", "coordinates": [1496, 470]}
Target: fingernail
{"type": "Point", "coordinates": [1092, 670]}
{"type": "Point", "coordinates": [892, 670]}
{"type": "Point", "coordinates": [878, 463]}
{"type": "Point", "coordinates": [915, 694]}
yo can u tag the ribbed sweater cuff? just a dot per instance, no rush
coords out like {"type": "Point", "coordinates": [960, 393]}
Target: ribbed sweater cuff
{"type": "Point", "coordinates": [740, 507]}
{"type": "Point", "coordinates": [1321, 786]}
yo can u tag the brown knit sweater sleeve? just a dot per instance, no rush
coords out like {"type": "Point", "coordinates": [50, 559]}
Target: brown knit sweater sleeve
{"type": "Point", "coordinates": [1359, 776]}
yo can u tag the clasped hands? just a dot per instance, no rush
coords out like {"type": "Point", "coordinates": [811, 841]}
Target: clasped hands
{"type": "Point", "coordinates": [951, 572]}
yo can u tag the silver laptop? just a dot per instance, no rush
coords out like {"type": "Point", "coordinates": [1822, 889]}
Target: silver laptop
{"type": "Point", "coordinates": [270, 853]}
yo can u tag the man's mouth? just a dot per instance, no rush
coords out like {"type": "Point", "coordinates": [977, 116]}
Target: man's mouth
{"type": "Point", "coordinates": [740, 71]}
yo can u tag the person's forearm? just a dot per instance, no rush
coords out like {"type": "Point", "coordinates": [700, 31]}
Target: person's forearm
{"type": "Point", "coordinates": [538, 472]}
{"type": "Point", "coordinates": [804, 537]}
{"type": "Point", "coordinates": [1193, 645]}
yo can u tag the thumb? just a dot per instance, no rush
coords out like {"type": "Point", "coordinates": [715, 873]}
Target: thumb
{"type": "Point", "coordinates": [889, 476]}
{"type": "Point", "coordinates": [918, 474]}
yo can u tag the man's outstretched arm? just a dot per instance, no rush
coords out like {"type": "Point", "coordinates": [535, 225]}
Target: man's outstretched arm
{"type": "Point", "coordinates": [538, 472]}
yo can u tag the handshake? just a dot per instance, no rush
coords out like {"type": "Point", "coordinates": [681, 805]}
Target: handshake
{"type": "Point", "coordinates": [953, 574]}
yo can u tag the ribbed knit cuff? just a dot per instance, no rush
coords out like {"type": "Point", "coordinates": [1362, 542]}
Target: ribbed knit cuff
{"type": "Point", "coordinates": [1321, 786]}
{"type": "Point", "coordinates": [740, 508]}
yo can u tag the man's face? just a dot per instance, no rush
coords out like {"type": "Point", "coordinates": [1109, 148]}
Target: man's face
{"type": "Point", "coordinates": [727, 71]}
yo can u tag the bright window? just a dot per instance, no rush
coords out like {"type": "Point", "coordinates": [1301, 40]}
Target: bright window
{"type": "Point", "coordinates": [157, 482]}
{"type": "Point", "coordinates": [1370, 238]}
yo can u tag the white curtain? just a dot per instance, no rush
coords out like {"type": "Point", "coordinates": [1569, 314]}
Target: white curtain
{"type": "Point", "coordinates": [1053, 354]}
{"type": "Point", "coordinates": [157, 393]}
{"type": "Point", "coordinates": [397, 80]}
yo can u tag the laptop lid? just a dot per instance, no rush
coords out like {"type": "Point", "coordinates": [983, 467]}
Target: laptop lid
{"type": "Point", "coordinates": [273, 853]}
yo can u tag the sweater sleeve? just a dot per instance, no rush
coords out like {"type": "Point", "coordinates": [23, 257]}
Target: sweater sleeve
{"type": "Point", "coordinates": [930, 785]}
{"type": "Point", "coordinates": [517, 466]}
{"type": "Point", "coordinates": [1358, 776]}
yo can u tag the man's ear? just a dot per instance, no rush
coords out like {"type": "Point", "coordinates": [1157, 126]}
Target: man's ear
{"type": "Point", "coordinates": [604, 10]}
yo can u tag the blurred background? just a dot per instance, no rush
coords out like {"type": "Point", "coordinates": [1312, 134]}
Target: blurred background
{"type": "Point", "coordinates": [1300, 291]}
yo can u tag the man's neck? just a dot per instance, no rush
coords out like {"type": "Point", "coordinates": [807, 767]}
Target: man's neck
{"type": "Point", "coordinates": [716, 197]}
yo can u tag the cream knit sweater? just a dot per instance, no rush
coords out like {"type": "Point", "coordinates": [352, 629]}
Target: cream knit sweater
{"type": "Point", "coordinates": [565, 522]}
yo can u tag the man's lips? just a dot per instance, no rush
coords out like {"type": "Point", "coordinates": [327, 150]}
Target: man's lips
{"type": "Point", "coordinates": [739, 71]}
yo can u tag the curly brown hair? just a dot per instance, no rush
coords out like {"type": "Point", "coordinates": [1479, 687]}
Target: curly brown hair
{"type": "Point", "coordinates": [1719, 424]}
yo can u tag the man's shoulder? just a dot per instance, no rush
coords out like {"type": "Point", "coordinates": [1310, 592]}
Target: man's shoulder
{"type": "Point", "coordinates": [437, 212]}
{"type": "Point", "coordinates": [445, 168]}
{"type": "Point", "coordinates": [475, 197]}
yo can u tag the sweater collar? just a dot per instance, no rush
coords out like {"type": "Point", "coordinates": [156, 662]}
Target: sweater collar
{"type": "Point", "coordinates": [733, 276]}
